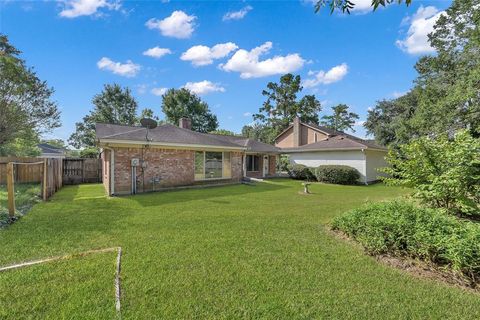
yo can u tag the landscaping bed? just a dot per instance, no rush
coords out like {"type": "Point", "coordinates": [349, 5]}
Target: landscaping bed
{"type": "Point", "coordinates": [26, 195]}
{"type": "Point", "coordinates": [404, 229]}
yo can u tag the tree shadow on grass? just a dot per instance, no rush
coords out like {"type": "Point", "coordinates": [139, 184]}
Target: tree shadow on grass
{"type": "Point", "coordinates": [213, 194]}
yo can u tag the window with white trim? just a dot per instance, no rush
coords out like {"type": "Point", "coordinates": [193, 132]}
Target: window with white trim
{"type": "Point", "coordinates": [212, 165]}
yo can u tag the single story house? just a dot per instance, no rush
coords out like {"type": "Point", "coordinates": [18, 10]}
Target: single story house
{"type": "Point", "coordinates": [49, 151]}
{"type": "Point", "coordinates": [137, 159]}
{"type": "Point", "coordinates": [314, 145]}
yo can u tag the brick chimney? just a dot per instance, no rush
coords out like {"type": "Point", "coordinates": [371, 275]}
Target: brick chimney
{"type": "Point", "coordinates": [297, 135]}
{"type": "Point", "coordinates": [185, 123]}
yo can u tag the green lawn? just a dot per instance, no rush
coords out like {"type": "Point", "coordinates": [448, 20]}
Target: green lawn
{"type": "Point", "coordinates": [241, 251]}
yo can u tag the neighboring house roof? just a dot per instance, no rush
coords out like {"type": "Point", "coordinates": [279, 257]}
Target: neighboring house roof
{"type": "Point", "coordinates": [47, 148]}
{"type": "Point", "coordinates": [337, 142]}
{"type": "Point", "coordinates": [172, 135]}
{"type": "Point", "coordinates": [322, 129]}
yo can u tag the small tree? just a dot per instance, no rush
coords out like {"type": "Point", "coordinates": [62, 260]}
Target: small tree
{"type": "Point", "coordinates": [341, 119]}
{"type": "Point", "coordinates": [444, 172]}
{"type": "Point", "coordinates": [178, 103]}
{"type": "Point", "coordinates": [26, 106]}
{"type": "Point", "coordinates": [113, 105]}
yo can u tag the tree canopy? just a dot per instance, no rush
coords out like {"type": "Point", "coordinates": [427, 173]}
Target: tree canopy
{"type": "Point", "coordinates": [260, 132]}
{"type": "Point", "coordinates": [446, 95]}
{"type": "Point", "coordinates": [341, 119]}
{"type": "Point", "coordinates": [347, 5]}
{"type": "Point", "coordinates": [178, 103]}
{"type": "Point", "coordinates": [113, 105]}
{"type": "Point", "coordinates": [27, 109]}
{"type": "Point", "coordinates": [282, 106]}
{"type": "Point", "coordinates": [224, 132]}
{"type": "Point", "coordinates": [148, 113]}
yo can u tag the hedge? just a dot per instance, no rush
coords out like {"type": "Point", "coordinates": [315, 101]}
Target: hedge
{"type": "Point", "coordinates": [337, 174]}
{"type": "Point", "coordinates": [404, 229]}
{"type": "Point", "coordinates": [300, 172]}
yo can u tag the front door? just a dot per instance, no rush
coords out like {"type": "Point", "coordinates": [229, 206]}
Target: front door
{"type": "Point", "coordinates": [265, 166]}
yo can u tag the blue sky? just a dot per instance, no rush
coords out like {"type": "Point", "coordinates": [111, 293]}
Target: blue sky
{"type": "Point", "coordinates": [226, 51]}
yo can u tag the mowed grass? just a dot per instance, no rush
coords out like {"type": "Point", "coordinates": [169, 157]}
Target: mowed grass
{"type": "Point", "coordinates": [236, 252]}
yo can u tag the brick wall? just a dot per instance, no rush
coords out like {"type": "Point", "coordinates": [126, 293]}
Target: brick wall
{"type": "Point", "coordinates": [272, 165]}
{"type": "Point", "coordinates": [172, 167]}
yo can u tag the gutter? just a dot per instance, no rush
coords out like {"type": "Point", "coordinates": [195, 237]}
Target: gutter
{"type": "Point", "coordinates": [329, 149]}
{"type": "Point", "coordinates": [170, 144]}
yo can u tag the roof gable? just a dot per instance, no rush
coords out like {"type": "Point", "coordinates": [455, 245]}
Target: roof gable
{"type": "Point", "coordinates": [321, 129]}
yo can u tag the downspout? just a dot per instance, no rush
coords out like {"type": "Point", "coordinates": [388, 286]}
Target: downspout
{"type": "Point", "coordinates": [244, 164]}
{"type": "Point", "coordinates": [365, 166]}
{"type": "Point", "coordinates": [112, 170]}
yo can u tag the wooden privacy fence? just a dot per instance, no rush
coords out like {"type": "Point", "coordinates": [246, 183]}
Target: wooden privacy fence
{"type": "Point", "coordinates": [50, 175]}
{"type": "Point", "coordinates": [76, 171]}
{"type": "Point", "coordinates": [22, 173]}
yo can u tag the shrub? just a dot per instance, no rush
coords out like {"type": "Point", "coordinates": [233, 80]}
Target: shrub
{"type": "Point", "coordinates": [402, 228]}
{"type": "Point", "coordinates": [443, 171]}
{"type": "Point", "coordinates": [300, 172]}
{"type": "Point", "coordinates": [337, 174]}
{"type": "Point", "coordinates": [284, 163]}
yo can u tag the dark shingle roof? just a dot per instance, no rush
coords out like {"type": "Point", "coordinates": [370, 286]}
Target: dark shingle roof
{"type": "Point", "coordinates": [337, 142]}
{"type": "Point", "coordinates": [171, 134]}
{"type": "Point", "coordinates": [47, 148]}
{"type": "Point", "coordinates": [251, 144]}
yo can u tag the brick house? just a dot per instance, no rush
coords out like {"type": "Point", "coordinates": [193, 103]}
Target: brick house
{"type": "Point", "coordinates": [136, 159]}
{"type": "Point", "coordinates": [314, 145]}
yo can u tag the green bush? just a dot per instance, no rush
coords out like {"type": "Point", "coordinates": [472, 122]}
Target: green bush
{"type": "Point", "coordinates": [444, 172]}
{"type": "Point", "coordinates": [300, 172]}
{"type": "Point", "coordinates": [404, 229]}
{"type": "Point", "coordinates": [337, 174]}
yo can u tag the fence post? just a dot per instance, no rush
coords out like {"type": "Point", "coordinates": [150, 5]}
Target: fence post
{"type": "Point", "coordinates": [45, 168]}
{"type": "Point", "coordinates": [10, 190]}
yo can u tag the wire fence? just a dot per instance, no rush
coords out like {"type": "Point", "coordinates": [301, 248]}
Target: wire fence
{"type": "Point", "coordinates": [24, 182]}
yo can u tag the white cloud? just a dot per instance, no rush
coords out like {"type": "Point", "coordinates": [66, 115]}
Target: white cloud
{"type": "Point", "coordinates": [359, 123]}
{"type": "Point", "coordinates": [128, 69]}
{"type": "Point", "coordinates": [157, 52]}
{"type": "Point", "coordinates": [335, 74]}
{"type": "Point", "coordinates": [247, 114]}
{"type": "Point", "coordinates": [362, 6]}
{"type": "Point", "coordinates": [177, 25]}
{"type": "Point", "coordinates": [237, 15]}
{"type": "Point", "coordinates": [249, 65]}
{"type": "Point", "coordinates": [77, 8]}
{"type": "Point", "coordinates": [203, 87]}
{"type": "Point", "coordinates": [159, 91]}
{"type": "Point", "coordinates": [203, 55]}
{"type": "Point", "coordinates": [421, 24]}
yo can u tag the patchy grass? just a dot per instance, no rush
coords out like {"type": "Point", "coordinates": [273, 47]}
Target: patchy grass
{"type": "Point", "coordinates": [261, 251]}
{"type": "Point", "coordinates": [26, 195]}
